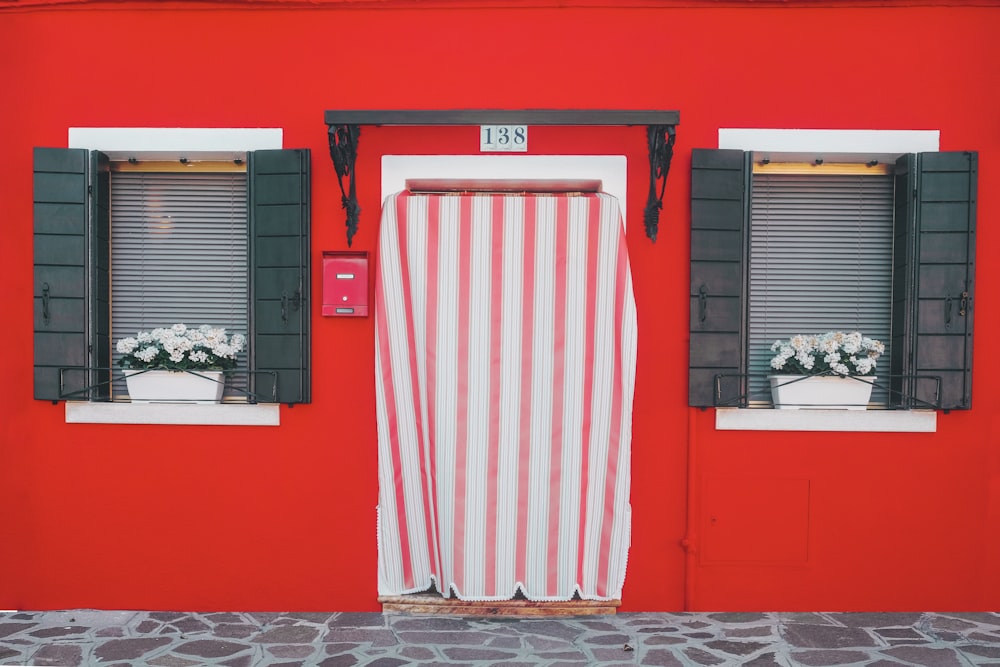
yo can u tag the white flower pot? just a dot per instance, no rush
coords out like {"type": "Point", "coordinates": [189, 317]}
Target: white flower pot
{"type": "Point", "coordinates": [821, 392]}
{"type": "Point", "coordinates": [174, 386]}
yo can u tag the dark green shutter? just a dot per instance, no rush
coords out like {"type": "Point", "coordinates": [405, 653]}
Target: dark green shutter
{"type": "Point", "coordinates": [934, 261]}
{"type": "Point", "coordinates": [100, 274]}
{"type": "Point", "coordinates": [279, 273]}
{"type": "Point", "coordinates": [718, 276]}
{"type": "Point", "coordinates": [71, 282]}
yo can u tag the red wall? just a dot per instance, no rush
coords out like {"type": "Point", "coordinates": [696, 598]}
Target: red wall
{"type": "Point", "coordinates": [252, 518]}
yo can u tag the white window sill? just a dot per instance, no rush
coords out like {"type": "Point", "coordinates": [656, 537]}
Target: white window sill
{"type": "Point", "coordinates": [884, 421]}
{"type": "Point", "coordinates": [223, 414]}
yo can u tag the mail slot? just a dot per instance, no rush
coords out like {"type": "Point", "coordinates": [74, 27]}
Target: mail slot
{"type": "Point", "coordinates": [345, 283]}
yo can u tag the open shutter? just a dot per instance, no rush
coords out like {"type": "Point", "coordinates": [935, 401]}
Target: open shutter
{"type": "Point", "coordinates": [279, 276]}
{"type": "Point", "coordinates": [71, 281]}
{"type": "Point", "coordinates": [935, 259]}
{"type": "Point", "coordinates": [100, 274]}
{"type": "Point", "coordinates": [718, 276]}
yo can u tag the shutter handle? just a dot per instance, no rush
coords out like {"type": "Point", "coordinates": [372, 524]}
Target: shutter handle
{"type": "Point", "coordinates": [45, 303]}
{"type": "Point", "coordinates": [702, 303]}
{"type": "Point", "coordinates": [296, 302]}
{"type": "Point", "coordinates": [963, 305]}
{"type": "Point", "coordinates": [947, 312]}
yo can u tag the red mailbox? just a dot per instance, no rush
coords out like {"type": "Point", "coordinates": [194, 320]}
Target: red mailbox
{"type": "Point", "coordinates": [345, 283]}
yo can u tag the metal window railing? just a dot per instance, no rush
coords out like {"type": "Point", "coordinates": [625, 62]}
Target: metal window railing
{"type": "Point", "coordinates": [96, 385]}
{"type": "Point", "coordinates": [904, 392]}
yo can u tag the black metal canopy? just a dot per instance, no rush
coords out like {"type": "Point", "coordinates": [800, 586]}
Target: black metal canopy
{"type": "Point", "coordinates": [502, 117]}
{"type": "Point", "coordinates": [344, 127]}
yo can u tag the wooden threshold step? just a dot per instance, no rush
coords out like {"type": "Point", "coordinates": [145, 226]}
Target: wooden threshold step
{"type": "Point", "coordinates": [435, 604]}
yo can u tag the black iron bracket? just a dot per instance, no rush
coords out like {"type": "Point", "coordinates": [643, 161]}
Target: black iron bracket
{"type": "Point", "coordinates": [344, 153]}
{"type": "Point", "coordinates": [661, 153]}
{"type": "Point", "coordinates": [344, 127]}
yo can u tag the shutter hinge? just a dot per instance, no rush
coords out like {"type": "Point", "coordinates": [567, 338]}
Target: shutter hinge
{"type": "Point", "coordinates": [90, 189]}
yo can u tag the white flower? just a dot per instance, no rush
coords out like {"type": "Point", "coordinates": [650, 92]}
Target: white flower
{"type": "Point", "coordinates": [828, 346]}
{"type": "Point", "coordinates": [873, 345]}
{"type": "Point", "coordinates": [864, 365]}
{"type": "Point", "coordinates": [179, 347]}
{"type": "Point", "coordinates": [852, 342]}
{"type": "Point", "coordinates": [223, 350]}
{"type": "Point", "coordinates": [831, 352]}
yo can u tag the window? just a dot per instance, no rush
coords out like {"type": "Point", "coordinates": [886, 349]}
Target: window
{"type": "Point", "coordinates": [930, 278]}
{"type": "Point", "coordinates": [820, 258]}
{"type": "Point", "coordinates": [73, 275]}
{"type": "Point", "coordinates": [179, 251]}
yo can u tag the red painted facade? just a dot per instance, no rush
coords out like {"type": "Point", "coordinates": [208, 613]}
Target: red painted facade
{"type": "Point", "coordinates": [264, 518]}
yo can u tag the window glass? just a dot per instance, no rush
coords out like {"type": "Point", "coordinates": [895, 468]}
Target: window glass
{"type": "Point", "coordinates": [820, 260]}
{"type": "Point", "coordinates": [178, 254]}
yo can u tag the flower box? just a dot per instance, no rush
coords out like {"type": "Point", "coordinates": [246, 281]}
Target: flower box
{"type": "Point", "coordinates": [821, 392]}
{"type": "Point", "coordinates": [178, 364]}
{"type": "Point", "coordinates": [145, 386]}
{"type": "Point", "coordinates": [832, 371]}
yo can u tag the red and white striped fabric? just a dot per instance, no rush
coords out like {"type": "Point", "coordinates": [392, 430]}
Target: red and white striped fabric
{"type": "Point", "coordinates": [505, 369]}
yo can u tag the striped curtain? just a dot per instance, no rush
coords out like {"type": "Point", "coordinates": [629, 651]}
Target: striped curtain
{"type": "Point", "coordinates": [505, 369]}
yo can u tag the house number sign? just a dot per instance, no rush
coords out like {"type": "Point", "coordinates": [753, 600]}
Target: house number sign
{"type": "Point", "coordinates": [503, 138]}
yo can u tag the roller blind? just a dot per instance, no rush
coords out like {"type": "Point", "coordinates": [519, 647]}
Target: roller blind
{"type": "Point", "coordinates": [178, 252]}
{"type": "Point", "coordinates": [820, 260]}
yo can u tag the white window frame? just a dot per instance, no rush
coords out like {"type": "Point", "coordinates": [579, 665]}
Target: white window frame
{"type": "Point", "coordinates": [145, 143]}
{"type": "Point", "coordinates": [832, 146]}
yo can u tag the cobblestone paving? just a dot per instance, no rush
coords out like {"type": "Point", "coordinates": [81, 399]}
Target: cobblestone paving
{"type": "Point", "coordinates": [178, 639]}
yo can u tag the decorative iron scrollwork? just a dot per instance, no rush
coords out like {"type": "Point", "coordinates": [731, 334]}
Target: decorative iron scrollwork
{"type": "Point", "coordinates": [344, 153]}
{"type": "Point", "coordinates": [344, 128]}
{"type": "Point", "coordinates": [661, 153]}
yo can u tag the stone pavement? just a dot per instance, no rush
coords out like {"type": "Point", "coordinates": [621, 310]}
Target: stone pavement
{"type": "Point", "coordinates": [178, 639]}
